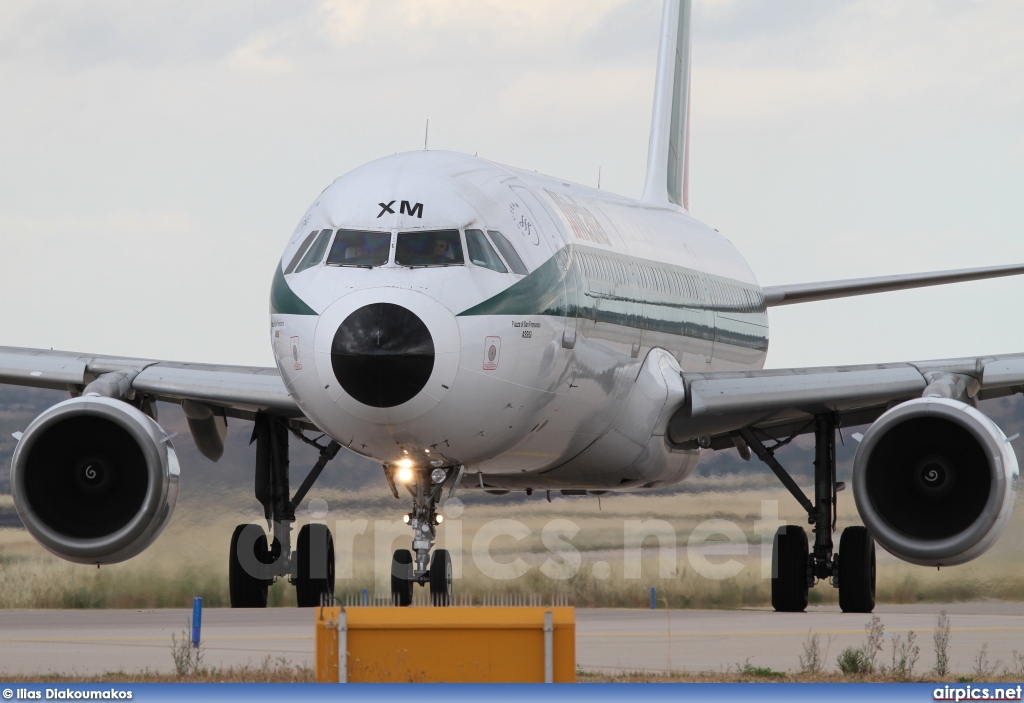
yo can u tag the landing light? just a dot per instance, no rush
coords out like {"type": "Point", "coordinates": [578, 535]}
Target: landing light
{"type": "Point", "coordinates": [438, 475]}
{"type": "Point", "coordinates": [438, 519]}
{"type": "Point", "coordinates": [405, 474]}
{"type": "Point", "coordinates": [406, 518]}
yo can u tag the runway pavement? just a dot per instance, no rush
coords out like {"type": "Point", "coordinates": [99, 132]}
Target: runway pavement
{"type": "Point", "coordinates": [98, 641]}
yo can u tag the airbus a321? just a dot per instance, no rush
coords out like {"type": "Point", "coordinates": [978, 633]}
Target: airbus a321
{"type": "Point", "coordinates": [479, 327]}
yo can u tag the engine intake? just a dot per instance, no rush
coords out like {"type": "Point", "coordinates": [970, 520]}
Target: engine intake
{"type": "Point", "coordinates": [94, 480]}
{"type": "Point", "coordinates": [935, 480]}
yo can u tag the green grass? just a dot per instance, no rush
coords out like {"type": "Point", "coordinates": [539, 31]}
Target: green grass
{"type": "Point", "coordinates": [758, 672]}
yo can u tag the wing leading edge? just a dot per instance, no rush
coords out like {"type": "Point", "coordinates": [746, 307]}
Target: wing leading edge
{"type": "Point", "coordinates": [827, 290]}
{"type": "Point", "coordinates": [785, 401]}
{"type": "Point", "coordinates": [241, 391]}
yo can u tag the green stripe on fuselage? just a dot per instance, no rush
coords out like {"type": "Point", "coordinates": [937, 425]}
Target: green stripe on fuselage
{"type": "Point", "coordinates": [283, 300]}
{"type": "Point", "coordinates": [618, 289]}
{"type": "Point", "coordinates": [540, 293]}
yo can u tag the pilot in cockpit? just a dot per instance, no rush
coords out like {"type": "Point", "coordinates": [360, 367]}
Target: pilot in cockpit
{"type": "Point", "coordinates": [440, 252]}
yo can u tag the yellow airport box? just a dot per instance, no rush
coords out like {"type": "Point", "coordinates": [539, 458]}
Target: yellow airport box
{"type": "Point", "coordinates": [475, 644]}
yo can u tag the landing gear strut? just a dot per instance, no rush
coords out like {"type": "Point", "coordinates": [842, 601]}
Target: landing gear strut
{"type": "Point", "coordinates": [253, 563]}
{"type": "Point", "coordinates": [795, 567]}
{"type": "Point", "coordinates": [417, 566]}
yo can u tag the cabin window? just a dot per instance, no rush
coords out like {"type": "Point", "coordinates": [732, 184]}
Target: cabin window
{"type": "Point", "coordinates": [481, 253]}
{"type": "Point", "coordinates": [432, 248]}
{"type": "Point", "coordinates": [316, 252]}
{"type": "Point", "coordinates": [509, 252]}
{"type": "Point", "coordinates": [356, 248]}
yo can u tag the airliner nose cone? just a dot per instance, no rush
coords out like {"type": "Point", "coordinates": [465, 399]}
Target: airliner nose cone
{"type": "Point", "coordinates": [382, 355]}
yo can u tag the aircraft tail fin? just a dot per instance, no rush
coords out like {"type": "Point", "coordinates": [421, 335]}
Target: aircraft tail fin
{"type": "Point", "coordinates": [668, 152]}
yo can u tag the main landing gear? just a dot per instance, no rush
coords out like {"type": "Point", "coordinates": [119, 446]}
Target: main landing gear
{"type": "Point", "coordinates": [253, 562]}
{"type": "Point", "coordinates": [409, 568]}
{"type": "Point", "coordinates": [795, 565]}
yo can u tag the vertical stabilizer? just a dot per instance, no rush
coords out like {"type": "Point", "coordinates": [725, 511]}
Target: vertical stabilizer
{"type": "Point", "coordinates": [669, 149]}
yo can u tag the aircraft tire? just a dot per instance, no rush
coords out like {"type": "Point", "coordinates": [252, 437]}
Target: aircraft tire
{"type": "Point", "coordinates": [856, 571]}
{"type": "Point", "coordinates": [401, 578]}
{"type": "Point", "coordinates": [314, 576]}
{"type": "Point", "coordinates": [789, 569]}
{"type": "Point", "coordinates": [245, 589]}
{"type": "Point", "coordinates": [441, 578]}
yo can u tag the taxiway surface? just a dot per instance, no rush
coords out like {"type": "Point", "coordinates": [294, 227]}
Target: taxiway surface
{"type": "Point", "coordinates": [98, 641]}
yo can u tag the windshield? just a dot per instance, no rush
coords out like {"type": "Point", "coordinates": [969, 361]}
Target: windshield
{"type": "Point", "coordinates": [481, 253]}
{"type": "Point", "coordinates": [300, 251]}
{"type": "Point", "coordinates": [436, 248]}
{"type": "Point", "coordinates": [354, 248]}
{"type": "Point", "coordinates": [316, 252]}
{"type": "Point", "coordinates": [509, 252]}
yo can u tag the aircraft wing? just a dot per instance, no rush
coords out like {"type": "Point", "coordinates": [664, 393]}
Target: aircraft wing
{"type": "Point", "coordinates": [826, 290]}
{"type": "Point", "coordinates": [241, 391]}
{"type": "Point", "coordinates": [782, 402]}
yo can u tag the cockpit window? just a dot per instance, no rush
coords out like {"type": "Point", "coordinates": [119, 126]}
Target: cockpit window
{"type": "Point", "coordinates": [481, 252]}
{"type": "Point", "coordinates": [300, 251]}
{"type": "Point", "coordinates": [355, 248]}
{"type": "Point", "coordinates": [316, 252]}
{"type": "Point", "coordinates": [437, 248]}
{"type": "Point", "coordinates": [509, 252]}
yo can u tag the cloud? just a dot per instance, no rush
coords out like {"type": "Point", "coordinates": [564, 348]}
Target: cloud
{"type": "Point", "coordinates": [910, 59]}
{"type": "Point", "coordinates": [79, 35]}
{"type": "Point", "coordinates": [830, 139]}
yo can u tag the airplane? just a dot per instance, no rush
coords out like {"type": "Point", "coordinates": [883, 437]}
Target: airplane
{"type": "Point", "coordinates": [473, 326]}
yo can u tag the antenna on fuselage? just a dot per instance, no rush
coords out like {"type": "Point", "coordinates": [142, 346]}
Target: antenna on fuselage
{"type": "Point", "coordinates": [599, 178]}
{"type": "Point", "coordinates": [426, 134]}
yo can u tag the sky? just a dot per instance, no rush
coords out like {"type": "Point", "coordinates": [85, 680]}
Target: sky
{"type": "Point", "coordinates": [155, 157]}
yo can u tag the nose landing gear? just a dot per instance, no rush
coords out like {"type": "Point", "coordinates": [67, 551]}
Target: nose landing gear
{"type": "Point", "coordinates": [418, 566]}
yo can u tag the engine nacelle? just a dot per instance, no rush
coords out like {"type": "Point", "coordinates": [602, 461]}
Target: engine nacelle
{"type": "Point", "coordinates": [94, 480]}
{"type": "Point", "coordinates": [935, 481]}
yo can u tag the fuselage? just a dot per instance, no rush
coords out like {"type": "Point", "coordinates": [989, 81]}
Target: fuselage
{"type": "Point", "coordinates": [442, 308]}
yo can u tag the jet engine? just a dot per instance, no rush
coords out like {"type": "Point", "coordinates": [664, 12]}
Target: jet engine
{"type": "Point", "coordinates": [934, 480]}
{"type": "Point", "coordinates": [94, 480]}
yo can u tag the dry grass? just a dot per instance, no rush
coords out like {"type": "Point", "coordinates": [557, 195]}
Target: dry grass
{"type": "Point", "coordinates": [190, 558]}
{"type": "Point", "coordinates": [279, 672]}
{"type": "Point", "coordinates": [269, 671]}
{"type": "Point", "coordinates": [735, 676]}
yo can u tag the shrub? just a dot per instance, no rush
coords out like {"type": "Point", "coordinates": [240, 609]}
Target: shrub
{"type": "Point", "coordinates": [812, 661]}
{"type": "Point", "coordinates": [905, 654]}
{"type": "Point", "coordinates": [941, 641]}
{"type": "Point", "coordinates": [188, 660]}
{"type": "Point", "coordinates": [852, 661]}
